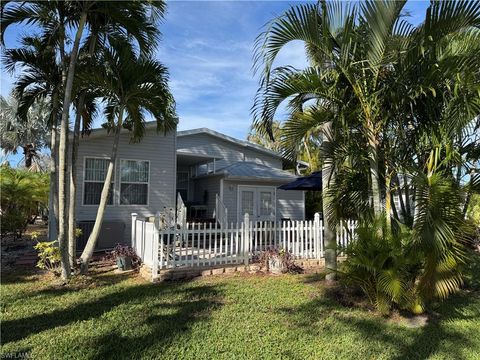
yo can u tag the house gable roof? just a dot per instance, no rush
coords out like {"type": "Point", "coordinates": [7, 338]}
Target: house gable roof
{"type": "Point", "coordinates": [101, 132]}
{"type": "Point", "coordinates": [229, 139]}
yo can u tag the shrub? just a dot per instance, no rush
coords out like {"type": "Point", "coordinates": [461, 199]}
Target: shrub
{"type": "Point", "coordinates": [13, 222]}
{"type": "Point", "coordinates": [49, 255]}
{"type": "Point", "coordinates": [408, 268]}
{"type": "Point", "coordinates": [381, 266]}
{"type": "Point", "coordinates": [24, 194]}
{"type": "Point", "coordinates": [473, 212]}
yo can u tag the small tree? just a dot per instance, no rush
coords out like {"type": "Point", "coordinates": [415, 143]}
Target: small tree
{"type": "Point", "coordinates": [132, 85]}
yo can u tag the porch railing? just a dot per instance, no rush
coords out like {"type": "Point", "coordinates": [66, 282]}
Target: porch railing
{"type": "Point", "coordinates": [181, 214]}
{"type": "Point", "coordinates": [202, 244]}
{"type": "Point", "coordinates": [221, 212]}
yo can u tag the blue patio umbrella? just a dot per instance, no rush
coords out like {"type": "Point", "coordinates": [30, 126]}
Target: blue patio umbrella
{"type": "Point", "coordinates": [310, 182]}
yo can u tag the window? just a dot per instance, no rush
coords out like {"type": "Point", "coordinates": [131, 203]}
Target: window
{"type": "Point", "coordinates": [134, 176]}
{"type": "Point", "coordinates": [247, 202]}
{"type": "Point", "coordinates": [95, 173]}
{"type": "Point", "coordinates": [266, 203]}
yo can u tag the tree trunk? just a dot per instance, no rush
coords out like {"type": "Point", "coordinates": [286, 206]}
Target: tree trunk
{"type": "Point", "coordinates": [92, 239]}
{"type": "Point", "coordinates": [407, 197]}
{"type": "Point", "coordinates": [63, 154]}
{"type": "Point", "coordinates": [72, 226]}
{"type": "Point", "coordinates": [388, 201]}
{"type": "Point", "coordinates": [469, 195]}
{"type": "Point", "coordinates": [28, 156]}
{"type": "Point", "coordinates": [53, 198]}
{"type": "Point", "coordinates": [394, 208]}
{"type": "Point", "coordinates": [329, 226]}
{"type": "Point", "coordinates": [72, 239]}
{"type": "Point", "coordinates": [374, 173]}
{"type": "Point", "coordinates": [400, 198]}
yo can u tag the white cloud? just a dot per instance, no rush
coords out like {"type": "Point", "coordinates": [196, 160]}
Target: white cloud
{"type": "Point", "coordinates": [208, 49]}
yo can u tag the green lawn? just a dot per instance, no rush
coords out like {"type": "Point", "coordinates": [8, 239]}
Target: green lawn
{"type": "Point", "coordinates": [231, 317]}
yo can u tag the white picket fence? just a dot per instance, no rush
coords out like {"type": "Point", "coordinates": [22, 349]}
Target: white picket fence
{"type": "Point", "coordinates": [207, 244]}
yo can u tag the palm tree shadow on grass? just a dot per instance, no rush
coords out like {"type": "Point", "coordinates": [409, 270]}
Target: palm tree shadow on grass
{"type": "Point", "coordinates": [9, 278]}
{"type": "Point", "coordinates": [164, 330]}
{"type": "Point", "coordinates": [408, 343]}
{"type": "Point", "coordinates": [195, 304]}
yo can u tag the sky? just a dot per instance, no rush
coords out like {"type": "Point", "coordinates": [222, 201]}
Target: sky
{"type": "Point", "coordinates": [208, 49]}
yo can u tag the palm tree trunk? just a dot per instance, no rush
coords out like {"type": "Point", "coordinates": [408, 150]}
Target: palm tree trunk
{"type": "Point", "coordinates": [394, 208]}
{"type": "Point", "coordinates": [28, 156]}
{"type": "Point", "coordinates": [53, 198]}
{"type": "Point", "coordinates": [388, 201]}
{"type": "Point", "coordinates": [72, 239]}
{"type": "Point", "coordinates": [330, 229]}
{"type": "Point", "coordinates": [374, 173]}
{"type": "Point", "coordinates": [408, 204]}
{"type": "Point", "coordinates": [400, 198]}
{"type": "Point", "coordinates": [92, 239]}
{"type": "Point", "coordinates": [468, 198]}
{"type": "Point", "coordinates": [63, 154]}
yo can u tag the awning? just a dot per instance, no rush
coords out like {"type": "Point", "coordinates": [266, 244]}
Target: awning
{"type": "Point", "coordinates": [311, 182]}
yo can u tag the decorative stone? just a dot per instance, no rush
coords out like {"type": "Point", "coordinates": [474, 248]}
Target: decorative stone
{"type": "Point", "coordinates": [206, 272]}
{"type": "Point", "coordinates": [218, 271]}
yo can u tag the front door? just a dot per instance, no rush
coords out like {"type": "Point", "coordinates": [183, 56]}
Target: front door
{"type": "Point", "coordinates": [258, 202]}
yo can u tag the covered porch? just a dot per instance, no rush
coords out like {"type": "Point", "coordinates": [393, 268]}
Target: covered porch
{"type": "Point", "coordinates": [209, 193]}
{"type": "Point", "coordinates": [195, 198]}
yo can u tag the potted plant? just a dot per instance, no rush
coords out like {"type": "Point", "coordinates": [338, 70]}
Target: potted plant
{"type": "Point", "coordinates": [277, 261]}
{"type": "Point", "coordinates": [125, 257]}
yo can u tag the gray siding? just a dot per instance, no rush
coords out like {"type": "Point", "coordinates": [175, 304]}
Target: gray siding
{"type": "Point", "coordinates": [155, 147]}
{"type": "Point", "coordinates": [230, 189]}
{"type": "Point", "coordinates": [205, 144]}
{"type": "Point", "coordinates": [290, 204]}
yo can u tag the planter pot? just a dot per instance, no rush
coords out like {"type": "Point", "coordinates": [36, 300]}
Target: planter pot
{"type": "Point", "coordinates": [124, 263]}
{"type": "Point", "coordinates": [275, 265]}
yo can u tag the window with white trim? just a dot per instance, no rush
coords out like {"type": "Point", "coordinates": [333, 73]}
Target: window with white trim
{"type": "Point", "coordinates": [95, 174]}
{"type": "Point", "coordinates": [134, 178]}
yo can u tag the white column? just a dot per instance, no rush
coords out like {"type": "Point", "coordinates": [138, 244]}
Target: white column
{"type": "Point", "coordinates": [134, 231]}
{"type": "Point", "coordinates": [316, 230]}
{"type": "Point", "coordinates": [246, 238]}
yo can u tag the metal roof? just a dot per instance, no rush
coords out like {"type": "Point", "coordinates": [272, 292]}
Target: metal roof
{"type": "Point", "coordinates": [246, 170]}
{"type": "Point", "coordinates": [229, 139]}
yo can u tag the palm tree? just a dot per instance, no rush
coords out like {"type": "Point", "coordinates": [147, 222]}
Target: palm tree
{"type": "Point", "coordinates": [131, 85]}
{"type": "Point", "coordinates": [302, 87]}
{"type": "Point", "coordinates": [30, 135]}
{"type": "Point", "coordinates": [347, 42]}
{"type": "Point", "coordinates": [40, 79]}
{"type": "Point", "coordinates": [363, 58]}
{"type": "Point", "coordinates": [55, 18]}
{"type": "Point", "coordinates": [106, 20]}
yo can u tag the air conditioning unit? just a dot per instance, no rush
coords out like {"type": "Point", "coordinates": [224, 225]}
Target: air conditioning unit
{"type": "Point", "coordinates": [111, 234]}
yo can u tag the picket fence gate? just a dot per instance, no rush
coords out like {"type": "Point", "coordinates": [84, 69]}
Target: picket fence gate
{"type": "Point", "coordinates": [207, 244]}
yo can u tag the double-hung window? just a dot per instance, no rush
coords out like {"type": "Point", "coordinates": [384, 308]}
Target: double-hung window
{"type": "Point", "coordinates": [95, 174]}
{"type": "Point", "coordinates": [134, 178]}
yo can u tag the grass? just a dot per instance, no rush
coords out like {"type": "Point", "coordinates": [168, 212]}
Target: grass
{"type": "Point", "coordinates": [230, 317]}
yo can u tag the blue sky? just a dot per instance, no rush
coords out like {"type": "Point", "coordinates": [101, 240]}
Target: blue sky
{"type": "Point", "coordinates": [208, 48]}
